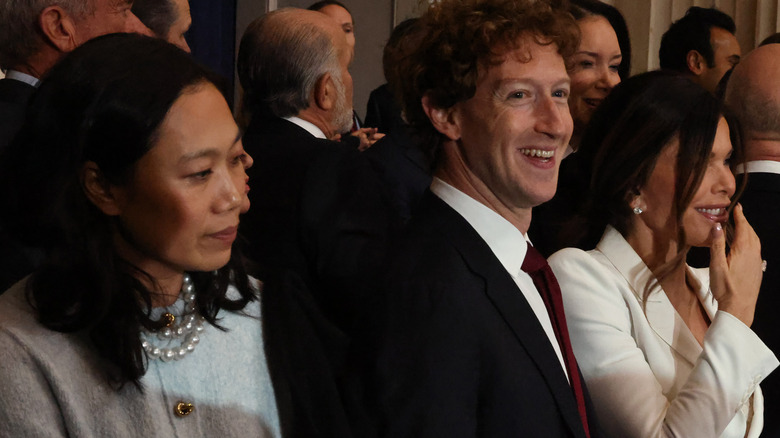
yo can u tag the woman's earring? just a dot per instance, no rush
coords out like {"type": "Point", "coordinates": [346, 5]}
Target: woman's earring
{"type": "Point", "coordinates": [638, 210]}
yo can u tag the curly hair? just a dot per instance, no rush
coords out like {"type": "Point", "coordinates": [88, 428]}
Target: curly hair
{"type": "Point", "coordinates": [458, 38]}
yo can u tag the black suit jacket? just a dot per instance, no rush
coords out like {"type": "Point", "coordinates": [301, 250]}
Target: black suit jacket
{"type": "Point", "coordinates": [399, 161]}
{"type": "Point", "coordinates": [305, 354]}
{"type": "Point", "coordinates": [761, 204]}
{"type": "Point", "coordinates": [14, 96]}
{"type": "Point", "coordinates": [16, 261]}
{"type": "Point", "coordinates": [318, 210]}
{"type": "Point", "coordinates": [383, 112]}
{"type": "Point", "coordinates": [404, 171]}
{"type": "Point", "coordinates": [462, 354]}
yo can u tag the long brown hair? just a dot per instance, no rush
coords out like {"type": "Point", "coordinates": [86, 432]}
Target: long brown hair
{"type": "Point", "coordinates": [626, 136]}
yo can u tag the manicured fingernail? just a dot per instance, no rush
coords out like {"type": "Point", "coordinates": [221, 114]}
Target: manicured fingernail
{"type": "Point", "coordinates": [718, 227]}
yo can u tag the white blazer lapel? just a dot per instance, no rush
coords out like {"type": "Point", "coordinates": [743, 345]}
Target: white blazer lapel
{"type": "Point", "coordinates": [661, 314]}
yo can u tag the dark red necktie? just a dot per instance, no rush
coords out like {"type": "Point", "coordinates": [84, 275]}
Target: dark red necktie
{"type": "Point", "coordinates": [536, 266]}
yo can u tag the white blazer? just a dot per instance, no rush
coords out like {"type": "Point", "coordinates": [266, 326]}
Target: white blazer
{"type": "Point", "coordinates": [646, 373]}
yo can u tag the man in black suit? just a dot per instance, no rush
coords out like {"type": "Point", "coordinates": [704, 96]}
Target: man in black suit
{"type": "Point", "coordinates": [403, 167]}
{"type": "Point", "coordinates": [34, 35]}
{"type": "Point", "coordinates": [316, 206]}
{"type": "Point", "coordinates": [467, 344]}
{"type": "Point", "coordinates": [754, 98]}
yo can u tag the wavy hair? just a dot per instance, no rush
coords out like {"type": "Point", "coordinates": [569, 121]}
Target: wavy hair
{"type": "Point", "coordinates": [457, 38]}
{"type": "Point", "coordinates": [627, 134]}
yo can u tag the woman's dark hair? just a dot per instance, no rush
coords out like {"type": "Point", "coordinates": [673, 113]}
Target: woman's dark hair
{"type": "Point", "coordinates": [627, 134]}
{"type": "Point", "coordinates": [588, 8]}
{"type": "Point", "coordinates": [103, 103]}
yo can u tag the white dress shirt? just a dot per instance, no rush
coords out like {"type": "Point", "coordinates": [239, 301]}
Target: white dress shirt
{"type": "Point", "coordinates": [759, 166]}
{"type": "Point", "coordinates": [507, 243]}
{"type": "Point", "coordinates": [311, 128]}
{"type": "Point", "coordinates": [23, 77]}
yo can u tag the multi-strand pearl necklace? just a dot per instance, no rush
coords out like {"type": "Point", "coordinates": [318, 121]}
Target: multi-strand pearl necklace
{"type": "Point", "coordinates": [180, 334]}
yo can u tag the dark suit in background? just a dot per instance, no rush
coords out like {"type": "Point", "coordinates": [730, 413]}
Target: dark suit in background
{"type": "Point", "coordinates": [399, 161]}
{"type": "Point", "coordinates": [462, 353]}
{"type": "Point", "coordinates": [382, 112]}
{"type": "Point", "coordinates": [16, 261]}
{"type": "Point", "coordinates": [761, 204]}
{"type": "Point", "coordinates": [14, 96]}
{"type": "Point", "coordinates": [318, 210]}
{"type": "Point", "coordinates": [403, 169]}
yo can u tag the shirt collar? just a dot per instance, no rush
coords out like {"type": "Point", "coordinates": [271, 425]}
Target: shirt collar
{"type": "Point", "coordinates": [759, 166]}
{"type": "Point", "coordinates": [311, 128]}
{"type": "Point", "coordinates": [507, 242]}
{"type": "Point", "coordinates": [23, 77]}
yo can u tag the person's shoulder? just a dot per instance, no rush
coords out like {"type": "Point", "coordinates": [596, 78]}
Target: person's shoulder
{"type": "Point", "coordinates": [20, 330]}
{"type": "Point", "coordinates": [585, 272]}
{"type": "Point", "coordinates": [431, 259]}
{"type": "Point", "coordinates": [14, 307]}
{"type": "Point", "coordinates": [568, 258]}
{"type": "Point", "coordinates": [12, 90]}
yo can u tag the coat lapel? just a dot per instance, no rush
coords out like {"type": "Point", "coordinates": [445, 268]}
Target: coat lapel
{"type": "Point", "coordinates": [511, 305]}
{"type": "Point", "coordinates": [660, 313]}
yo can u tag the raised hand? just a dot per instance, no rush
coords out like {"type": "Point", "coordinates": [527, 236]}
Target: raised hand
{"type": "Point", "coordinates": [735, 279]}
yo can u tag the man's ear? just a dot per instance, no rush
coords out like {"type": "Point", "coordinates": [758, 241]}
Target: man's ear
{"type": "Point", "coordinates": [58, 28]}
{"type": "Point", "coordinates": [696, 62]}
{"type": "Point", "coordinates": [443, 119]}
{"type": "Point", "coordinates": [99, 191]}
{"type": "Point", "coordinates": [325, 92]}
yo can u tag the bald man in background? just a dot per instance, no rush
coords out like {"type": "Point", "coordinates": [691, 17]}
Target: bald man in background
{"type": "Point", "coordinates": [753, 95]}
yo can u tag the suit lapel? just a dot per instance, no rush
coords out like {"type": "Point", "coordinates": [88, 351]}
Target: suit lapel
{"type": "Point", "coordinates": [660, 313]}
{"type": "Point", "coordinates": [511, 305]}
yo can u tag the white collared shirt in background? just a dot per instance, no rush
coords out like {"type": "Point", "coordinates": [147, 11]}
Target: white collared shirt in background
{"type": "Point", "coordinates": [23, 77]}
{"type": "Point", "coordinates": [759, 166]}
{"type": "Point", "coordinates": [311, 128]}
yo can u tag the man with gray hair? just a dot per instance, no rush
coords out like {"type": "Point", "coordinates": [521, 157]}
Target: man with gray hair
{"type": "Point", "coordinates": [316, 206]}
{"type": "Point", "coordinates": [753, 96]}
{"type": "Point", "coordinates": [167, 19]}
{"type": "Point", "coordinates": [35, 34]}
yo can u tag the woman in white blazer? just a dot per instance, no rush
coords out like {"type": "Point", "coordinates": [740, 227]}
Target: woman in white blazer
{"type": "Point", "coordinates": [666, 350]}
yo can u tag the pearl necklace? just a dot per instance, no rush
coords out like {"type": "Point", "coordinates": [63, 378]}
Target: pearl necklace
{"type": "Point", "coordinates": [180, 334]}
